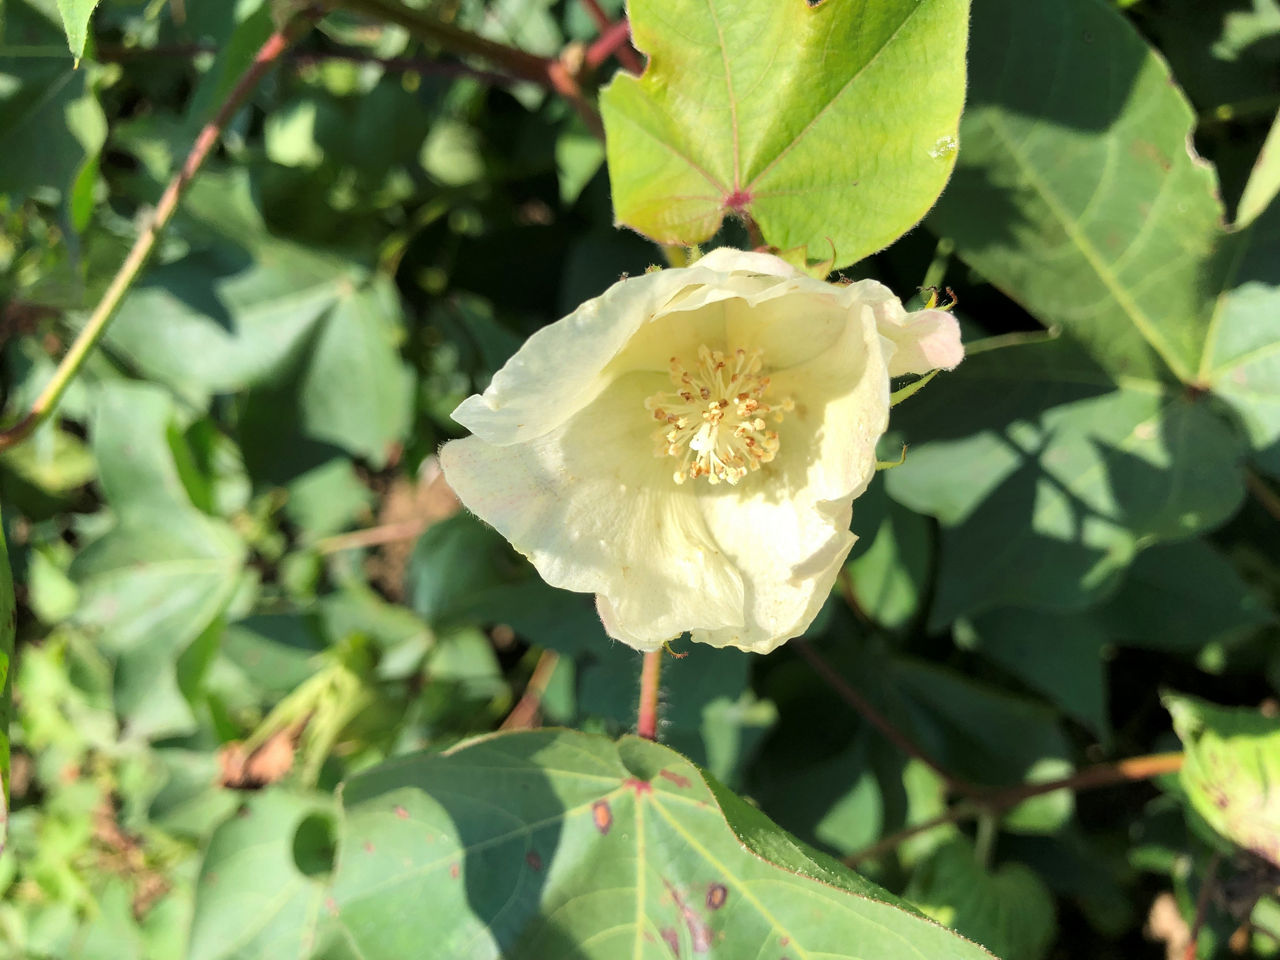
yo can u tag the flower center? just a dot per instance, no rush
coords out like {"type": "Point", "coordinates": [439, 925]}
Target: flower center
{"type": "Point", "coordinates": [714, 421]}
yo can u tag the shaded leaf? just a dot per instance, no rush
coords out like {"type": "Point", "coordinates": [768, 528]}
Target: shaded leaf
{"type": "Point", "coordinates": [260, 893]}
{"type": "Point", "coordinates": [8, 630]}
{"type": "Point", "coordinates": [1047, 476]}
{"type": "Point", "coordinates": [158, 578]}
{"type": "Point", "coordinates": [745, 107]}
{"type": "Point", "coordinates": [1060, 656]}
{"type": "Point", "coordinates": [75, 19]}
{"type": "Point", "coordinates": [1078, 197]}
{"type": "Point", "coordinates": [1241, 361]}
{"type": "Point", "coordinates": [356, 392]}
{"type": "Point", "coordinates": [1008, 909]}
{"type": "Point", "coordinates": [1181, 598]}
{"type": "Point", "coordinates": [44, 100]}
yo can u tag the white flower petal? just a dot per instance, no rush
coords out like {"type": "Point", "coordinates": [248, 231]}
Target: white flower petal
{"type": "Point", "coordinates": [786, 528]}
{"type": "Point", "coordinates": [563, 458]}
{"type": "Point", "coordinates": [923, 341]}
{"type": "Point", "coordinates": [729, 260]}
{"type": "Point", "coordinates": [597, 512]}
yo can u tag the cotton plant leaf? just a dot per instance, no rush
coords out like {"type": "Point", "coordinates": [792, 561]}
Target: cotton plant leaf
{"type": "Point", "coordinates": [1241, 360]}
{"type": "Point", "coordinates": [45, 100]}
{"type": "Point", "coordinates": [161, 575]}
{"type": "Point", "coordinates": [550, 843]}
{"type": "Point", "coordinates": [75, 20]}
{"type": "Point", "coordinates": [1009, 909]}
{"type": "Point", "coordinates": [1076, 191]}
{"type": "Point", "coordinates": [786, 111]}
{"type": "Point", "coordinates": [234, 311]}
{"type": "Point", "coordinates": [1232, 772]}
{"type": "Point", "coordinates": [1079, 195]}
{"type": "Point", "coordinates": [1048, 476]}
{"type": "Point", "coordinates": [1264, 180]}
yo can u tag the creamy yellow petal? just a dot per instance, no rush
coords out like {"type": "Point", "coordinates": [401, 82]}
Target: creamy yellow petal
{"type": "Point", "coordinates": [786, 527]}
{"type": "Point", "coordinates": [923, 341]}
{"type": "Point", "coordinates": [597, 512]}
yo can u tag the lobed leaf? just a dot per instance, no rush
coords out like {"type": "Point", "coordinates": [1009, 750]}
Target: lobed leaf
{"type": "Point", "coordinates": [546, 844]}
{"type": "Point", "coordinates": [784, 112]}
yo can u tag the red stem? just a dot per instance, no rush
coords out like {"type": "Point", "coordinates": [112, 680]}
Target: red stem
{"type": "Point", "coordinates": [647, 716]}
{"type": "Point", "coordinates": [873, 716]}
{"type": "Point", "coordinates": [615, 40]}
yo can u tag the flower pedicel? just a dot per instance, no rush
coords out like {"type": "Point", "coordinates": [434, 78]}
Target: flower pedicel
{"type": "Point", "coordinates": [688, 445]}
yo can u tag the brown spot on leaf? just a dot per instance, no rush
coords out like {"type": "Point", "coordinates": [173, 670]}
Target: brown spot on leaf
{"type": "Point", "coordinates": [1146, 150]}
{"type": "Point", "coordinates": [699, 932]}
{"type": "Point", "coordinates": [717, 894]}
{"type": "Point", "coordinates": [602, 815]}
{"type": "Point", "coordinates": [454, 870]}
{"type": "Point", "coordinates": [331, 905]}
{"type": "Point", "coordinates": [368, 847]}
{"type": "Point", "coordinates": [672, 940]}
{"type": "Point", "coordinates": [675, 778]}
{"type": "Point", "coordinates": [533, 860]}
{"type": "Point", "coordinates": [639, 786]}
{"type": "Point", "coordinates": [401, 812]}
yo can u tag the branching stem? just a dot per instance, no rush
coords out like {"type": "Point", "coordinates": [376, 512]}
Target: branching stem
{"type": "Point", "coordinates": [878, 720]}
{"type": "Point", "coordinates": [996, 800]}
{"type": "Point", "coordinates": [92, 332]}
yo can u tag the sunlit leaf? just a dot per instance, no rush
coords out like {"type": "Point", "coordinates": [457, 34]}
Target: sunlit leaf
{"type": "Point", "coordinates": [1232, 771]}
{"type": "Point", "coordinates": [785, 111]}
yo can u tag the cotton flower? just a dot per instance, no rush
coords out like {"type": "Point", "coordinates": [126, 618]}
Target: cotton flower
{"type": "Point", "coordinates": [688, 445]}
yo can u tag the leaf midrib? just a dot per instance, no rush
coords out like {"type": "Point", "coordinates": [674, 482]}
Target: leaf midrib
{"type": "Point", "coordinates": [834, 97]}
{"type": "Point", "coordinates": [1142, 323]}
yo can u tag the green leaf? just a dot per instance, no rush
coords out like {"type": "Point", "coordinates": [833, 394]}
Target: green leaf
{"type": "Point", "coordinates": [261, 889]}
{"type": "Point", "coordinates": [1084, 202]}
{"type": "Point", "coordinates": [889, 565]}
{"type": "Point", "coordinates": [1060, 656]}
{"type": "Point", "coordinates": [747, 108]}
{"type": "Point", "coordinates": [8, 631]}
{"type": "Point", "coordinates": [1180, 599]}
{"type": "Point", "coordinates": [1047, 475]}
{"type": "Point", "coordinates": [1232, 771]}
{"type": "Point", "coordinates": [1076, 193]}
{"type": "Point", "coordinates": [988, 736]}
{"type": "Point", "coordinates": [44, 100]}
{"type": "Point", "coordinates": [356, 392]}
{"type": "Point", "coordinates": [1264, 181]}
{"type": "Point", "coordinates": [218, 321]}
{"type": "Point", "coordinates": [596, 849]}
{"type": "Point", "coordinates": [1010, 910]}
{"type": "Point", "coordinates": [160, 576]}
{"type": "Point", "coordinates": [75, 19]}
{"type": "Point", "coordinates": [1241, 362]}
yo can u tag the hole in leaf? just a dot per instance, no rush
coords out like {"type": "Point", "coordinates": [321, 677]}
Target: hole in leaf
{"type": "Point", "coordinates": [315, 845]}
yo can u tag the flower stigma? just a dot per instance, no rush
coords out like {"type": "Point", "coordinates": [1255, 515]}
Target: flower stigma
{"type": "Point", "coordinates": [714, 421]}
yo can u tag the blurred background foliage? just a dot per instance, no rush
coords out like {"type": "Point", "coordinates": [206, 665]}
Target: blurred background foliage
{"type": "Point", "coordinates": [238, 569]}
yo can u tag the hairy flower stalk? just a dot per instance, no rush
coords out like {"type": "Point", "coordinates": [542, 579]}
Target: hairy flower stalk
{"type": "Point", "coordinates": [688, 445]}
